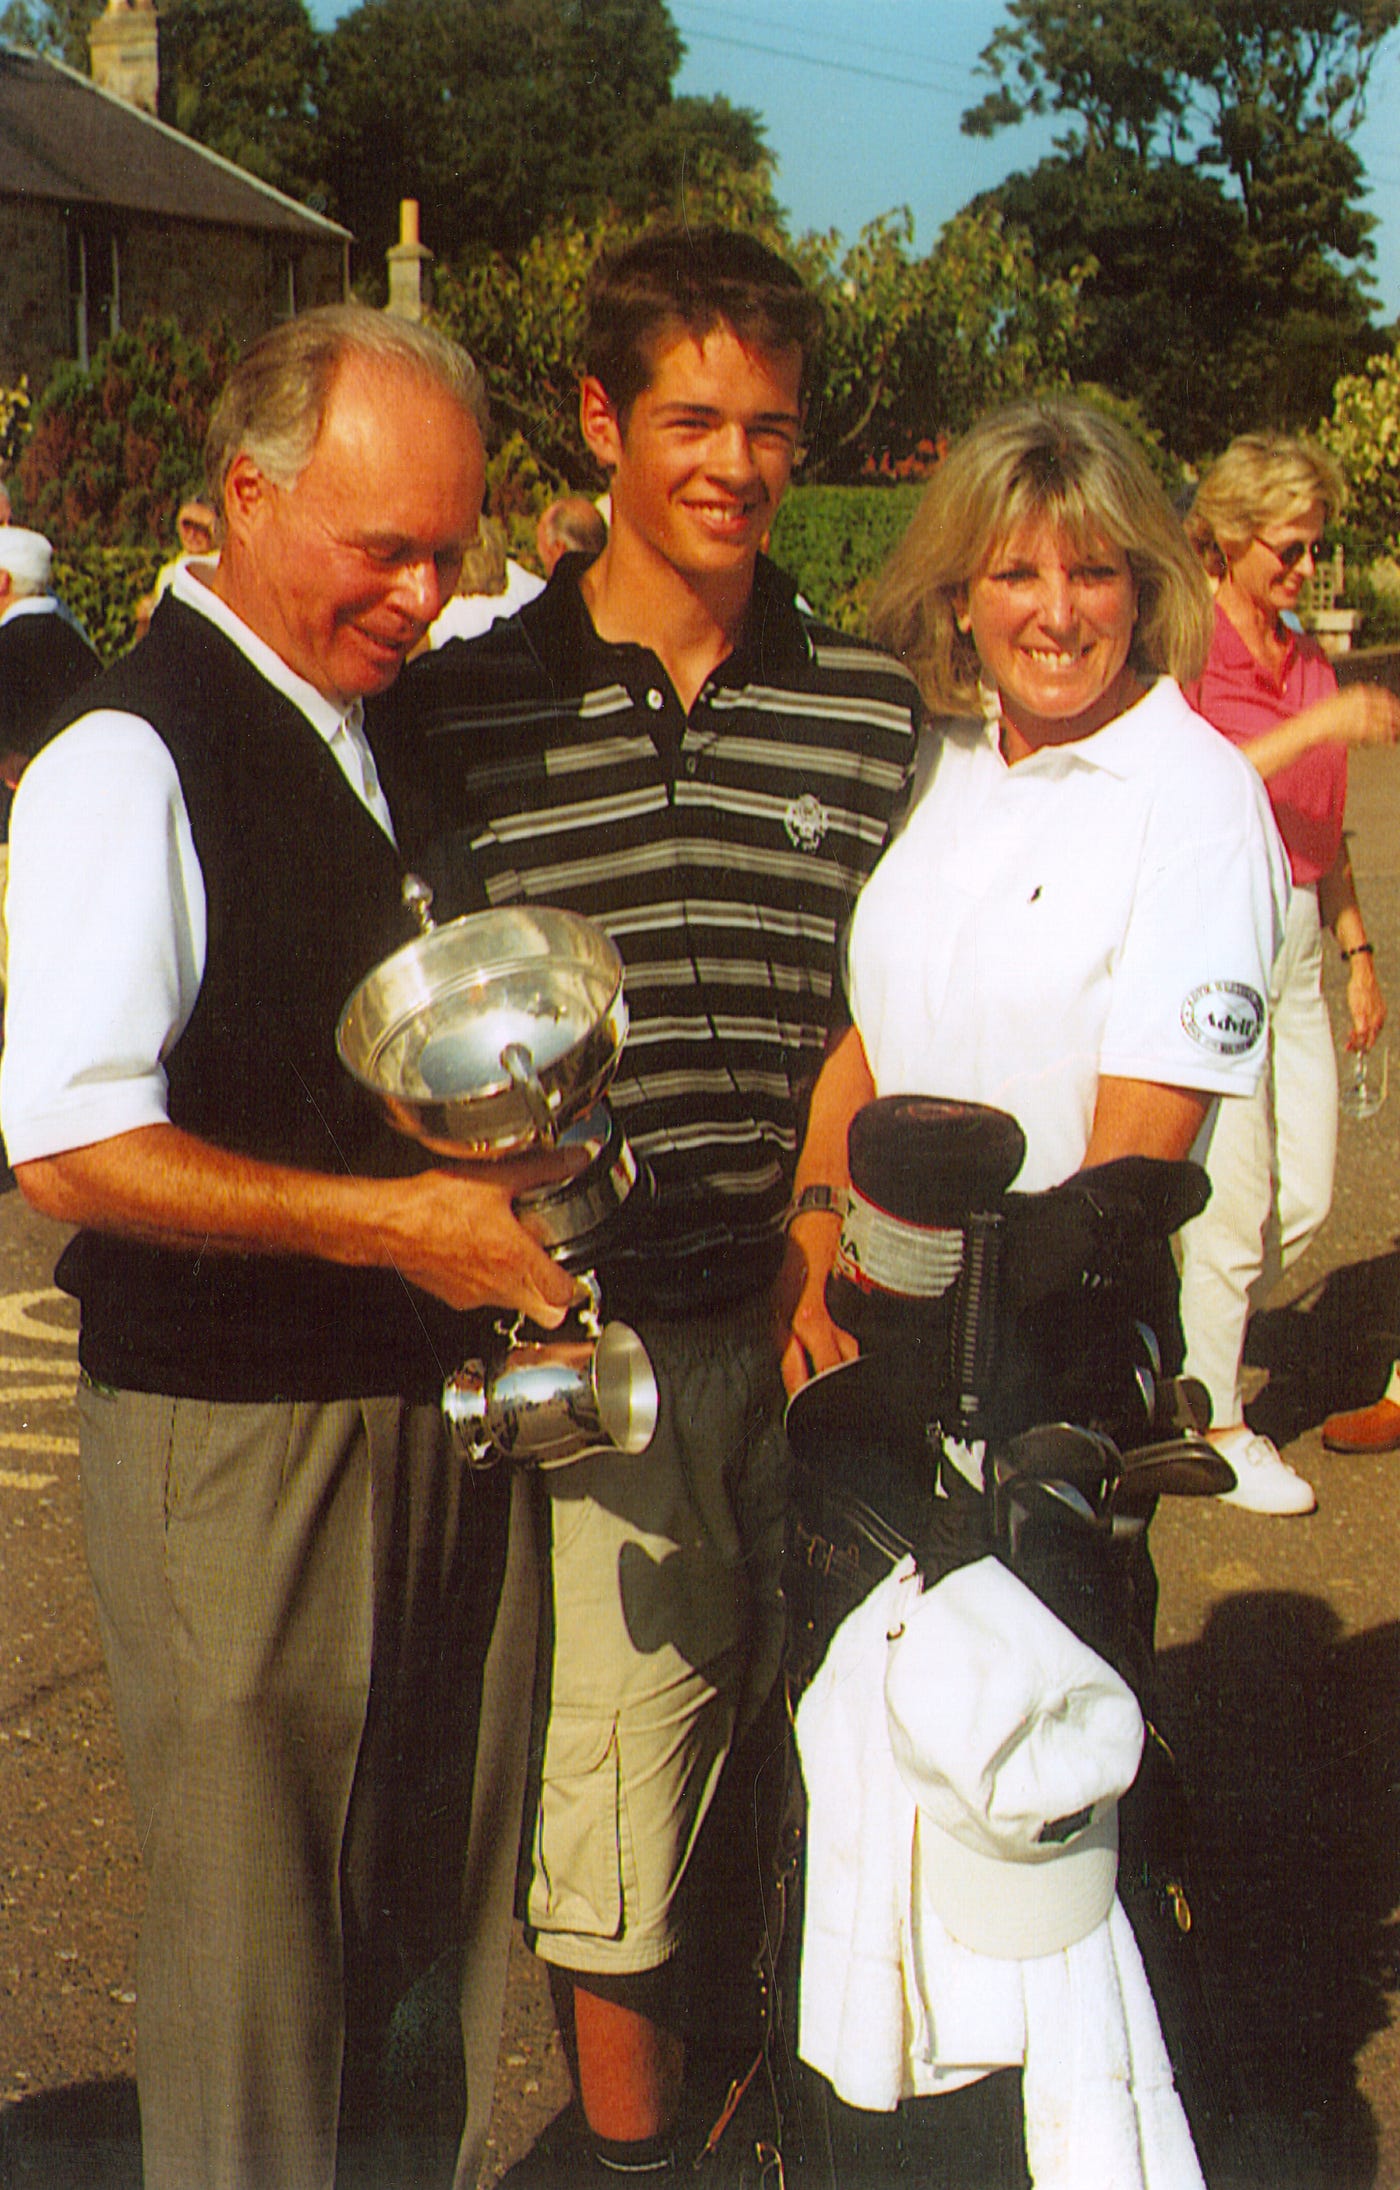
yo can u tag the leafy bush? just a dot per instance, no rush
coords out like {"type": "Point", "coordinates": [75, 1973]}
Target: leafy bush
{"type": "Point", "coordinates": [102, 586]}
{"type": "Point", "coordinates": [1363, 434]}
{"type": "Point", "coordinates": [14, 421]}
{"type": "Point", "coordinates": [834, 542]}
{"type": "Point", "coordinates": [112, 451]}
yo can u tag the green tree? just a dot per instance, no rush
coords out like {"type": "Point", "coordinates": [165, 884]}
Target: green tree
{"type": "Point", "coordinates": [1363, 434]}
{"type": "Point", "coordinates": [503, 116]}
{"type": "Point", "coordinates": [111, 451]}
{"type": "Point", "coordinates": [244, 78]}
{"type": "Point", "coordinates": [59, 27]}
{"type": "Point", "coordinates": [1206, 169]}
{"type": "Point", "coordinates": [914, 347]}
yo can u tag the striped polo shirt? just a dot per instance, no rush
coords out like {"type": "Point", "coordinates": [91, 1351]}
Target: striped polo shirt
{"type": "Point", "coordinates": [722, 850]}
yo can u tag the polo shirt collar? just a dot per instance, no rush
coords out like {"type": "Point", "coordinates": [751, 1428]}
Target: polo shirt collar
{"type": "Point", "coordinates": [1114, 751]}
{"type": "Point", "coordinates": [773, 645]}
{"type": "Point", "coordinates": [1229, 652]}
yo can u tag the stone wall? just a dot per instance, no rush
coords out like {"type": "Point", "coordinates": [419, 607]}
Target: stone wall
{"type": "Point", "coordinates": [34, 332]}
{"type": "Point", "coordinates": [187, 270]}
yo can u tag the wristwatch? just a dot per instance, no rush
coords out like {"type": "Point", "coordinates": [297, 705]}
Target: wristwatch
{"type": "Point", "coordinates": [832, 1200]}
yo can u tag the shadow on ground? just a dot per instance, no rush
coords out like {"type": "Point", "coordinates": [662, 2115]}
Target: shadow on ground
{"type": "Point", "coordinates": [1286, 1731]}
{"type": "Point", "coordinates": [87, 2137]}
{"type": "Point", "coordinates": [1329, 1350]}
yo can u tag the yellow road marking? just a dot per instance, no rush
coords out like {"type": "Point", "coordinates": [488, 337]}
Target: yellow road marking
{"type": "Point", "coordinates": [18, 1320]}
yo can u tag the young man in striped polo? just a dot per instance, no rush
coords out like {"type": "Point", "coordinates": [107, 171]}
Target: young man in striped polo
{"type": "Point", "coordinates": [664, 743]}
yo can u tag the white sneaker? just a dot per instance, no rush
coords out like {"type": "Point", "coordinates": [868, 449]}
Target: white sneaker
{"type": "Point", "coordinates": [1264, 1482]}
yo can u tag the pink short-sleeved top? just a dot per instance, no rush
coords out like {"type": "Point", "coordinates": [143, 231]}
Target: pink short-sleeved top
{"type": "Point", "coordinates": [1237, 694]}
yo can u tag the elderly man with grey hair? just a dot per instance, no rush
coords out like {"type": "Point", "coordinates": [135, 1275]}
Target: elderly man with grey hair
{"type": "Point", "coordinates": [301, 1594]}
{"type": "Point", "coordinates": [571, 526]}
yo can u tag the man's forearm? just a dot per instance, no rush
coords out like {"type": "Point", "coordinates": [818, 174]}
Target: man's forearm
{"type": "Point", "coordinates": [455, 1236]}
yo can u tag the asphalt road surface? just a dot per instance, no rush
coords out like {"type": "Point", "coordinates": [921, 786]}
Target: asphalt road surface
{"type": "Point", "coordinates": [1280, 1656]}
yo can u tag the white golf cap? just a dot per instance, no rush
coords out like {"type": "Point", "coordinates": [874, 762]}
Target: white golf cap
{"type": "Point", "coordinates": [1015, 1740]}
{"type": "Point", "coordinates": [25, 554]}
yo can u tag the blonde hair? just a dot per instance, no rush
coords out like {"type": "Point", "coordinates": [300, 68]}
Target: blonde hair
{"type": "Point", "coordinates": [1057, 460]}
{"type": "Point", "coordinates": [274, 400]}
{"type": "Point", "coordinates": [1262, 479]}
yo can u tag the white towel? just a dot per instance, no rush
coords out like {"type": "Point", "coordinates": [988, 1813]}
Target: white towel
{"type": "Point", "coordinates": [891, 2007]}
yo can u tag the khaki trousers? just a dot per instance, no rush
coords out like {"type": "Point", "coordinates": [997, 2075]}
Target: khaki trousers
{"type": "Point", "coordinates": [323, 1722]}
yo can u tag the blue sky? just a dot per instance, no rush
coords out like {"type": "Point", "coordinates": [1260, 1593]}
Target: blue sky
{"type": "Point", "coordinates": [861, 100]}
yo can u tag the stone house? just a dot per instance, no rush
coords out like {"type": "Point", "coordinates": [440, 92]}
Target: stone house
{"type": "Point", "coordinates": [107, 214]}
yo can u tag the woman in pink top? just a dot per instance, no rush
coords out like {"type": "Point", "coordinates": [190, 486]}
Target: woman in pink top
{"type": "Point", "coordinates": [1257, 521]}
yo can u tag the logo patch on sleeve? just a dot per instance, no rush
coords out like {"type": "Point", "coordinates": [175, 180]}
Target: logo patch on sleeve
{"type": "Point", "coordinates": [1225, 1016]}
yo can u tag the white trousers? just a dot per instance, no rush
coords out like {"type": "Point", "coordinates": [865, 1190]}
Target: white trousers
{"type": "Point", "coordinates": [1271, 1158]}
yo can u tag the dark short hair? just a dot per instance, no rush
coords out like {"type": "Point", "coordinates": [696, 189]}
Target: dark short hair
{"type": "Point", "coordinates": [689, 281]}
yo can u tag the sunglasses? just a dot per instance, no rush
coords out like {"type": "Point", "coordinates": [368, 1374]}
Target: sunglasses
{"type": "Point", "coordinates": [1291, 556]}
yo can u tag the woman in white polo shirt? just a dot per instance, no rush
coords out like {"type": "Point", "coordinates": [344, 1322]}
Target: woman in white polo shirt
{"type": "Point", "coordinates": [1078, 920]}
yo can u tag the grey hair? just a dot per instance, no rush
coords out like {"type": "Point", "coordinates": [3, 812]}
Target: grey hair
{"type": "Point", "coordinates": [274, 401]}
{"type": "Point", "coordinates": [1054, 459]}
{"type": "Point", "coordinates": [573, 523]}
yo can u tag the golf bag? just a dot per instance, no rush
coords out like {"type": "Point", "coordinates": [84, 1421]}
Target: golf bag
{"type": "Point", "coordinates": [1017, 1393]}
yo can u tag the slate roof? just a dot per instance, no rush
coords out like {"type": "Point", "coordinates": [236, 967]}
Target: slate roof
{"type": "Point", "coordinates": [63, 137]}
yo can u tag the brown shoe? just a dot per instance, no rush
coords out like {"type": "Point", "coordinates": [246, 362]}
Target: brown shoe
{"type": "Point", "coordinates": [1368, 1429]}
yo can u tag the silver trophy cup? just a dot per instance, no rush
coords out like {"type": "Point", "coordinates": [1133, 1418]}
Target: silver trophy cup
{"type": "Point", "coordinates": [486, 1038]}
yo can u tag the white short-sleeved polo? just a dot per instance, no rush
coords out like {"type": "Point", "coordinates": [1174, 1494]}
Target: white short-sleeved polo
{"type": "Point", "coordinates": [1109, 908]}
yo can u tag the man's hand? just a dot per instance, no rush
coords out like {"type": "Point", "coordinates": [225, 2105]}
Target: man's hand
{"type": "Point", "coordinates": [455, 1235]}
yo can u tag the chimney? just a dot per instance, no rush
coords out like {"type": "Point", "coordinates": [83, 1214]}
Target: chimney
{"type": "Point", "coordinates": [124, 49]}
{"type": "Point", "coordinates": [410, 283]}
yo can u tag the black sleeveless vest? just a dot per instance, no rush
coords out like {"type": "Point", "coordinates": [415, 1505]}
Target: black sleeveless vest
{"type": "Point", "coordinates": [303, 895]}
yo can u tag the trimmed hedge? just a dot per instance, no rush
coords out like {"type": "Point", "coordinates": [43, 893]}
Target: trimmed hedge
{"type": "Point", "coordinates": [834, 542]}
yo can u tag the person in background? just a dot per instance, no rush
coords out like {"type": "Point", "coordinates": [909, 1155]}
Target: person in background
{"type": "Point", "coordinates": [665, 745]}
{"type": "Point", "coordinates": [44, 656]}
{"type": "Point", "coordinates": [44, 652]}
{"type": "Point", "coordinates": [197, 530]}
{"type": "Point", "coordinates": [299, 1584]}
{"type": "Point", "coordinates": [570, 526]}
{"type": "Point", "coordinates": [491, 586]}
{"type": "Point", "coordinates": [1257, 521]}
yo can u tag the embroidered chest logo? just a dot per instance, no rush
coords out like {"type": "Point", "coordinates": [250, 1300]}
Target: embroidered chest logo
{"type": "Point", "coordinates": [806, 822]}
{"type": "Point", "coordinates": [1224, 1016]}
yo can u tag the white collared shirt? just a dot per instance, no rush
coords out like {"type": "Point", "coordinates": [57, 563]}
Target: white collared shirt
{"type": "Point", "coordinates": [1110, 907]}
{"type": "Point", "coordinates": [106, 909]}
